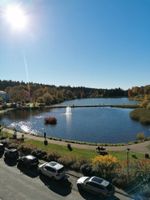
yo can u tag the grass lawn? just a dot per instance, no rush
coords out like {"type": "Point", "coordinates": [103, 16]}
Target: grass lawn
{"type": "Point", "coordinates": [61, 150]}
{"type": "Point", "coordinates": [78, 153]}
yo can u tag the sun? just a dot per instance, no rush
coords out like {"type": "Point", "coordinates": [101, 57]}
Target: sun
{"type": "Point", "coordinates": [16, 16]}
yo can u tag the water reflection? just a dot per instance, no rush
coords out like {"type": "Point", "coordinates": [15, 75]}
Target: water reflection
{"type": "Point", "coordinates": [68, 122]}
{"type": "Point", "coordinates": [22, 114]}
{"type": "Point", "coordinates": [68, 110]}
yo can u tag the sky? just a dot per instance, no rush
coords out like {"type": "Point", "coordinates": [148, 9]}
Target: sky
{"type": "Point", "coordinates": [91, 43]}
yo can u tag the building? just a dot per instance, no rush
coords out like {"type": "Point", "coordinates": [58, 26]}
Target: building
{"type": "Point", "coordinates": [4, 96]}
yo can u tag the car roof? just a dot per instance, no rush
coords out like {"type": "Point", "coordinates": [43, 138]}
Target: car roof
{"type": "Point", "coordinates": [30, 157]}
{"type": "Point", "coordinates": [55, 165]}
{"type": "Point", "coordinates": [99, 181]}
{"type": "Point", "coordinates": [11, 150]}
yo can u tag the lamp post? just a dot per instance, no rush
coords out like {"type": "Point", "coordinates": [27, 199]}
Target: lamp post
{"type": "Point", "coordinates": [128, 163]}
{"type": "Point", "coordinates": [45, 140]}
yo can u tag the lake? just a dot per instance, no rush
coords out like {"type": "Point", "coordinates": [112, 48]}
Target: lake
{"type": "Point", "coordinates": [104, 125]}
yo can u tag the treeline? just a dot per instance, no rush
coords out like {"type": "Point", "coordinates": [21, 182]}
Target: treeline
{"type": "Point", "coordinates": [141, 114]}
{"type": "Point", "coordinates": [141, 93]}
{"type": "Point", "coordinates": [50, 94]}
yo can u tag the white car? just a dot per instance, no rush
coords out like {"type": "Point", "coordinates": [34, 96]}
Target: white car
{"type": "Point", "coordinates": [96, 185]}
{"type": "Point", "coordinates": [53, 170]}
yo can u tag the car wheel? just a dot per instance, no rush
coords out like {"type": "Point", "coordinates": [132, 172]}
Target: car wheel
{"type": "Point", "coordinates": [40, 172]}
{"type": "Point", "coordinates": [20, 163]}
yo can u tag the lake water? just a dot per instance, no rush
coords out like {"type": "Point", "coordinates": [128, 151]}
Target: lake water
{"type": "Point", "coordinates": [108, 125]}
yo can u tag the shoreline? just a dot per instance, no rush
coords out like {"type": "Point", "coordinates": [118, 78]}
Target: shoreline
{"type": "Point", "coordinates": [141, 147]}
{"type": "Point", "coordinates": [9, 129]}
{"type": "Point", "coordinates": [6, 110]}
{"type": "Point", "coordinates": [127, 106]}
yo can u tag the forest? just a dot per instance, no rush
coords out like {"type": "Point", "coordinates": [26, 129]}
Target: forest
{"type": "Point", "coordinates": [142, 94]}
{"type": "Point", "coordinates": [50, 94]}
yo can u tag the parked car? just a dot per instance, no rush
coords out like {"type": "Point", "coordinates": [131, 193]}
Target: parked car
{"type": "Point", "coordinates": [28, 161]}
{"type": "Point", "coordinates": [53, 170]}
{"type": "Point", "coordinates": [1, 148]}
{"type": "Point", "coordinates": [96, 185]}
{"type": "Point", "coordinates": [11, 154]}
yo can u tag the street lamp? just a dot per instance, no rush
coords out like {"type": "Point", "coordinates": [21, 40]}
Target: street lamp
{"type": "Point", "coordinates": [128, 163]}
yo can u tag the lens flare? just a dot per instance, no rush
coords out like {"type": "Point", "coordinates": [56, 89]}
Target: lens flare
{"type": "Point", "coordinates": [16, 17]}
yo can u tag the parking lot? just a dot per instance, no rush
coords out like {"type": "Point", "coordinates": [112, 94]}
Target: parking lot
{"type": "Point", "coordinates": [19, 184]}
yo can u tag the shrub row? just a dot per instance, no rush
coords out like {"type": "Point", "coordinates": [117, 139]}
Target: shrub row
{"type": "Point", "coordinates": [142, 115]}
{"type": "Point", "coordinates": [70, 162]}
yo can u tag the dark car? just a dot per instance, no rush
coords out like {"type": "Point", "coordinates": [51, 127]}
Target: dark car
{"type": "Point", "coordinates": [1, 148]}
{"type": "Point", "coordinates": [11, 153]}
{"type": "Point", "coordinates": [28, 161]}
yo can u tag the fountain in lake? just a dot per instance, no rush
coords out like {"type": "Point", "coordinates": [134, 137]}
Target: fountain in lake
{"type": "Point", "coordinates": [68, 110]}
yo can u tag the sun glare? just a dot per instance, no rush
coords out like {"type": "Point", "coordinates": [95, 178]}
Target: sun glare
{"type": "Point", "coordinates": [16, 17]}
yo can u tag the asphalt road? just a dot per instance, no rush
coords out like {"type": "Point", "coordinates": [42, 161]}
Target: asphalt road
{"type": "Point", "coordinates": [16, 184]}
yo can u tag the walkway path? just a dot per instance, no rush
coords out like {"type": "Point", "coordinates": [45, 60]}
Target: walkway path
{"type": "Point", "coordinates": [140, 147]}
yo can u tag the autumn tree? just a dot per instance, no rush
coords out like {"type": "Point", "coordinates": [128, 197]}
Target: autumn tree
{"type": "Point", "coordinates": [105, 166]}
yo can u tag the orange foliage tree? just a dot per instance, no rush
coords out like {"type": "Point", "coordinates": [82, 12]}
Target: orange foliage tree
{"type": "Point", "coordinates": [105, 166]}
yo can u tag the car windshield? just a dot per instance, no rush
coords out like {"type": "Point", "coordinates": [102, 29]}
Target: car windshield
{"type": "Point", "coordinates": [87, 180]}
{"type": "Point", "coordinates": [61, 170]}
{"type": "Point", "coordinates": [97, 180]}
{"type": "Point", "coordinates": [34, 160]}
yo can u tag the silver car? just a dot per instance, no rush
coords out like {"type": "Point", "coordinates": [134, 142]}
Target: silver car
{"type": "Point", "coordinates": [96, 185]}
{"type": "Point", "coordinates": [53, 170]}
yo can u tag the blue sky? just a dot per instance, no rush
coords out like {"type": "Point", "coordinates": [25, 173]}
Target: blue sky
{"type": "Point", "coordinates": [93, 43]}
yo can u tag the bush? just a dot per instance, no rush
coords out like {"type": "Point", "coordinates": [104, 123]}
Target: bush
{"type": "Point", "coordinates": [12, 145]}
{"type": "Point", "coordinates": [86, 169]}
{"type": "Point", "coordinates": [77, 165]}
{"type": "Point", "coordinates": [39, 154]}
{"type": "Point", "coordinates": [53, 156]}
{"type": "Point", "coordinates": [144, 120]}
{"type": "Point", "coordinates": [105, 166]}
{"type": "Point", "coordinates": [140, 136]}
{"type": "Point", "coordinates": [142, 166]}
{"type": "Point", "coordinates": [50, 120]}
{"type": "Point", "coordinates": [142, 115]}
{"type": "Point", "coordinates": [120, 181]}
{"type": "Point", "coordinates": [67, 161]}
{"type": "Point", "coordinates": [25, 150]}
